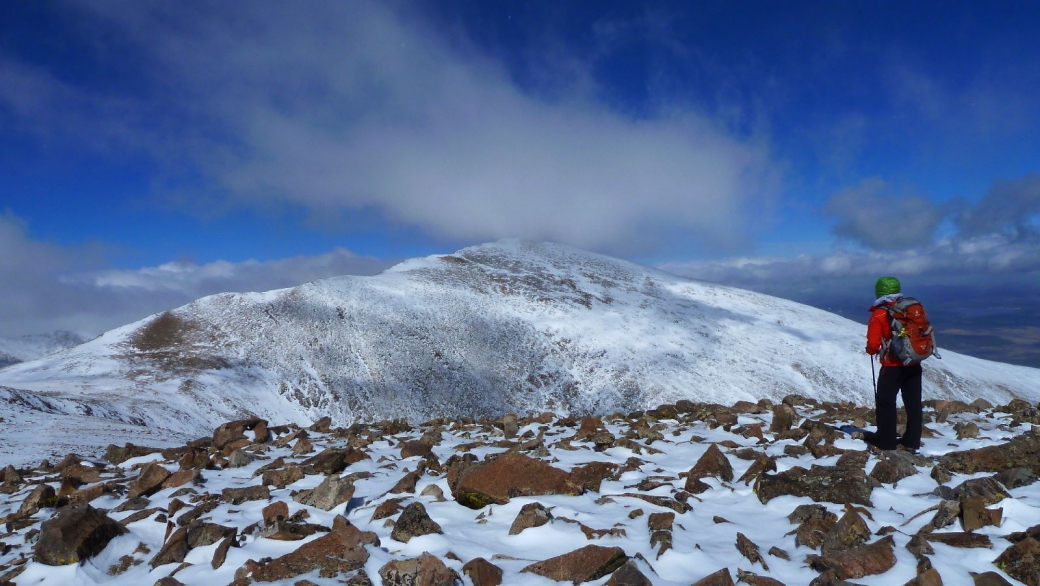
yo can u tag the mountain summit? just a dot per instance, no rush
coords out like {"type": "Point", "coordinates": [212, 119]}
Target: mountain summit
{"type": "Point", "coordinates": [512, 326]}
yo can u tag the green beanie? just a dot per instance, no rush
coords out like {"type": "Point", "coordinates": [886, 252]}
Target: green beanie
{"type": "Point", "coordinates": [886, 286]}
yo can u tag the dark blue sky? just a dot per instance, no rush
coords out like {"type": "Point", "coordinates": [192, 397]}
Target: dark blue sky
{"type": "Point", "coordinates": [154, 152]}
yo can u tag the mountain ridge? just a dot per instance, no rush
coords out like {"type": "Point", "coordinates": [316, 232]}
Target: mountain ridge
{"type": "Point", "coordinates": [512, 326]}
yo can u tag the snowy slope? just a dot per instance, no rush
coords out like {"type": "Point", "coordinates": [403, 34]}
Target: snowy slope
{"type": "Point", "coordinates": [510, 326]}
{"type": "Point", "coordinates": [26, 348]}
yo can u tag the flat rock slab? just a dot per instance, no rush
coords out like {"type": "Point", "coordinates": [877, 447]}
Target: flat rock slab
{"type": "Point", "coordinates": [581, 565]}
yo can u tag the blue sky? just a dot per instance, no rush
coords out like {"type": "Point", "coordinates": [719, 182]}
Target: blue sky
{"type": "Point", "coordinates": [154, 152]}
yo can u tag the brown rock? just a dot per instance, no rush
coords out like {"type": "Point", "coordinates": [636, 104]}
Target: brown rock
{"type": "Point", "coordinates": [581, 565]}
{"type": "Point", "coordinates": [850, 531]}
{"type": "Point", "coordinates": [220, 554]}
{"type": "Point", "coordinates": [762, 463]}
{"type": "Point", "coordinates": [1021, 561]}
{"type": "Point", "coordinates": [413, 522]}
{"type": "Point", "coordinates": [387, 508]}
{"type": "Point", "coordinates": [530, 515]}
{"type": "Point", "coordinates": [749, 549]}
{"type": "Point", "coordinates": [332, 492]}
{"type": "Point", "coordinates": [237, 496]}
{"type": "Point", "coordinates": [960, 539]}
{"type": "Point", "coordinates": [719, 578]}
{"type": "Point", "coordinates": [592, 474]}
{"type": "Point", "coordinates": [118, 455]}
{"type": "Point", "coordinates": [425, 570]}
{"type": "Point", "coordinates": [331, 554]}
{"type": "Point", "coordinates": [182, 477]}
{"type": "Point", "coordinates": [712, 463]}
{"type": "Point", "coordinates": [322, 425]}
{"type": "Point", "coordinates": [407, 483]}
{"type": "Point", "coordinates": [989, 579]}
{"type": "Point", "coordinates": [820, 483]}
{"type": "Point", "coordinates": [482, 572]}
{"type": "Point", "coordinates": [661, 521]}
{"type": "Point", "coordinates": [333, 460]}
{"type": "Point", "coordinates": [865, 560]}
{"type": "Point", "coordinates": [929, 577]}
{"type": "Point", "coordinates": [1022, 451]}
{"type": "Point", "coordinates": [784, 417]}
{"type": "Point", "coordinates": [966, 430]}
{"type": "Point", "coordinates": [232, 431]}
{"type": "Point", "coordinates": [628, 575]}
{"type": "Point", "coordinates": [510, 475]}
{"type": "Point", "coordinates": [276, 511]}
{"type": "Point", "coordinates": [753, 579]}
{"type": "Point", "coordinates": [283, 477]}
{"type": "Point", "coordinates": [149, 481]}
{"type": "Point", "coordinates": [42, 496]}
{"type": "Point", "coordinates": [75, 533]}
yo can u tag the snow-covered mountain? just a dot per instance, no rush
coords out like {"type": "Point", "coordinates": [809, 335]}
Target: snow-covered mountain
{"type": "Point", "coordinates": [33, 347]}
{"type": "Point", "coordinates": [510, 326]}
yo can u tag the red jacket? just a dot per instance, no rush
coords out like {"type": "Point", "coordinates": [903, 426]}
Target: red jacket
{"type": "Point", "coordinates": [878, 331]}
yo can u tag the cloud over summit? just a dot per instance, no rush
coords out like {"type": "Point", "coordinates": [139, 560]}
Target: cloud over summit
{"type": "Point", "coordinates": [364, 106]}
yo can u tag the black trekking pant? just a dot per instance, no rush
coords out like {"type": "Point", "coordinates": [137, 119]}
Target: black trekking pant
{"type": "Point", "coordinates": [891, 381]}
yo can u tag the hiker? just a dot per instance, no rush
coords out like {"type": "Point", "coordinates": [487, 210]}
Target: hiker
{"type": "Point", "coordinates": [895, 377]}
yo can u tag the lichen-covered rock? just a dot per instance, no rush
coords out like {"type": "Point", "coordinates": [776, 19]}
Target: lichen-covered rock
{"type": "Point", "coordinates": [830, 484]}
{"type": "Point", "coordinates": [1021, 561]}
{"type": "Point", "coordinates": [75, 533]}
{"type": "Point", "coordinates": [510, 475]}
{"type": "Point", "coordinates": [425, 570]}
{"type": "Point", "coordinates": [414, 522]}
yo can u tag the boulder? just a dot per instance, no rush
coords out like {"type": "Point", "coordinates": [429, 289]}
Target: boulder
{"type": "Point", "coordinates": [332, 554]}
{"type": "Point", "coordinates": [482, 572]}
{"type": "Point", "coordinates": [830, 484]}
{"type": "Point", "coordinates": [720, 578]}
{"type": "Point", "coordinates": [509, 475]}
{"type": "Point", "coordinates": [41, 496]}
{"type": "Point", "coordinates": [865, 560]}
{"type": "Point", "coordinates": [413, 522]}
{"type": "Point", "coordinates": [581, 565]}
{"type": "Point", "coordinates": [237, 496]}
{"type": "Point", "coordinates": [425, 570]}
{"type": "Point", "coordinates": [530, 515]}
{"type": "Point", "coordinates": [1021, 561]}
{"type": "Point", "coordinates": [850, 531]}
{"type": "Point", "coordinates": [149, 481]}
{"type": "Point", "coordinates": [332, 492]}
{"type": "Point", "coordinates": [712, 463]}
{"type": "Point", "coordinates": [628, 575]}
{"type": "Point", "coordinates": [75, 533]}
{"type": "Point", "coordinates": [1021, 451]}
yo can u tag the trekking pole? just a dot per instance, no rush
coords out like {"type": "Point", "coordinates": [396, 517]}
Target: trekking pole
{"type": "Point", "coordinates": [873, 377]}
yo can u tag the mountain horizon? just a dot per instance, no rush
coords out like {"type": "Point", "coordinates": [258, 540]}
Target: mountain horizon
{"type": "Point", "coordinates": [511, 326]}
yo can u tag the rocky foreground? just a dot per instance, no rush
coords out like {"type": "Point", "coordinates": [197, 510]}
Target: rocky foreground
{"type": "Point", "coordinates": [684, 494]}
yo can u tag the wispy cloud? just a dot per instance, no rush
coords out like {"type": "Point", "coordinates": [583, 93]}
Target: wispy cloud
{"type": "Point", "coordinates": [873, 214]}
{"type": "Point", "coordinates": [46, 287]}
{"type": "Point", "coordinates": [360, 105]}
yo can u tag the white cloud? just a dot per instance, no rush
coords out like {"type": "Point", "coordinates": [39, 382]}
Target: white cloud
{"type": "Point", "coordinates": [362, 106]}
{"type": "Point", "coordinates": [873, 214]}
{"type": "Point", "coordinates": [46, 287]}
